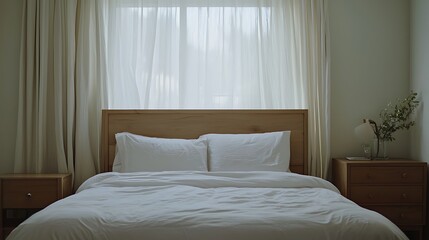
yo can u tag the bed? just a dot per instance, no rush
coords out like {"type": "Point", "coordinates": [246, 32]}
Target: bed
{"type": "Point", "coordinates": [189, 204]}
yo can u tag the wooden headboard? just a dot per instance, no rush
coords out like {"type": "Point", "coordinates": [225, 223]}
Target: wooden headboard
{"type": "Point", "coordinates": [188, 124]}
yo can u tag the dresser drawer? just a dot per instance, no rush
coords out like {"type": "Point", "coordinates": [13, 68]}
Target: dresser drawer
{"type": "Point", "coordinates": [401, 215]}
{"type": "Point", "coordinates": [23, 193]}
{"type": "Point", "coordinates": [386, 194]}
{"type": "Point", "coordinates": [385, 174]}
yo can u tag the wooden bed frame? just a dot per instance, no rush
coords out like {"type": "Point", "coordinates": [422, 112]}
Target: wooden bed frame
{"type": "Point", "coordinates": [188, 124]}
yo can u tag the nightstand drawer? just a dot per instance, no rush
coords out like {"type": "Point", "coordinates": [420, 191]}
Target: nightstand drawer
{"type": "Point", "coordinates": [23, 193]}
{"type": "Point", "coordinates": [401, 215]}
{"type": "Point", "coordinates": [386, 174]}
{"type": "Point", "coordinates": [386, 194]}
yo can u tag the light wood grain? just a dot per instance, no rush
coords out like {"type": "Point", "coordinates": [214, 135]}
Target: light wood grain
{"type": "Point", "coordinates": [189, 124]}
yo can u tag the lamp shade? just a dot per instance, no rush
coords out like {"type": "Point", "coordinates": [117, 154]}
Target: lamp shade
{"type": "Point", "coordinates": [364, 132]}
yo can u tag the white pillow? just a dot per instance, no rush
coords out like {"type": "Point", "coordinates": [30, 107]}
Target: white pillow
{"type": "Point", "coordinates": [135, 153]}
{"type": "Point", "coordinates": [249, 152]}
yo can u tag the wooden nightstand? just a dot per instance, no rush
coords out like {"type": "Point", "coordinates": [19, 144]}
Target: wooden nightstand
{"type": "Point", "coordinates": [396, 188]}
{"type": "Point", "coordinates": [24, 194]}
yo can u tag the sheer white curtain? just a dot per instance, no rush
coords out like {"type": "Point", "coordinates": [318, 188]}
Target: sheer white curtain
{"type": "Point", "coordinates": [314, 64]}
{"type": "Point", "coordinates": [202, 54]}
{"type": "Point", "coordinates": [60, 88]}
{"type": "Point", "coordinates": [223, 54]}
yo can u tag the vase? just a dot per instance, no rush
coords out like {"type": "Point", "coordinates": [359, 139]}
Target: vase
{"type": "Point", "coordinates": [380, 149]}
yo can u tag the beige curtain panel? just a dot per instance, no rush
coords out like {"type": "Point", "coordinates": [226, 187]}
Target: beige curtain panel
{"type": "Point", "coordinates": [60, 89]}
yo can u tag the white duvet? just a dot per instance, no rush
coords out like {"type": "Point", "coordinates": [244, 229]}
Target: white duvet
{"type": "Point", "coordinates": [201, 205]}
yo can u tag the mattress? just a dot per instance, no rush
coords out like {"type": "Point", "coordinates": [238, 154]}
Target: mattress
{"type": "Point", "coordinates": [206, 205]}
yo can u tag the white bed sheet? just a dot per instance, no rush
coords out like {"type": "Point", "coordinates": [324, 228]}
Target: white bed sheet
{"type": "Point", "coordinates": [206, 205]}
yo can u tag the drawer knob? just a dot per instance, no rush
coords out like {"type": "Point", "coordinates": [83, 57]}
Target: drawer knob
{"type": "Point", "coordinates": [402, 215]}
{"type": "Point", "coordinates": [404, 175]}
{"type": "Point", "coordinates": [404, 195]}
{"type": "Point", "coordinates": [28, 195]}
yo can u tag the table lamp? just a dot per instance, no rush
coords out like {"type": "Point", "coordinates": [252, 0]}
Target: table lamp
{"type": "Point", "coordinates": [365, 133]}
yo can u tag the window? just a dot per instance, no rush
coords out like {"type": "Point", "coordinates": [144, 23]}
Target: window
{"type": "Point", "coordinates": [200, 54]}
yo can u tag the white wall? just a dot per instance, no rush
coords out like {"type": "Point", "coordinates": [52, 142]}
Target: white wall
{"type": "Point", "coordinates": [370, 67]}
{"type": "Point", "coordinates": [10, 35]}
{"type": "Point", "coordinates": [420, 81]}
{"type": "Point", "coordinates": [420, 76]}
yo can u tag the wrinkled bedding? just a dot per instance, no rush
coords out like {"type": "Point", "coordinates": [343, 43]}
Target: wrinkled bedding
{"type": "Point", "coordinates": [206, 205]}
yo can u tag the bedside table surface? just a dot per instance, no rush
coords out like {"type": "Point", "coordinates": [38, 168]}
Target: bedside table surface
{"type": "Point", "coordinates": [33, 175]}
{"type": "Point", "coordinates": [381, 161]}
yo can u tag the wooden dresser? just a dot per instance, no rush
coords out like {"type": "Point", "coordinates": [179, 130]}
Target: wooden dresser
{"type": "Point", "coordinates": [396, 188]}
{"type": "Point", "coordinates": [21, 195]}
